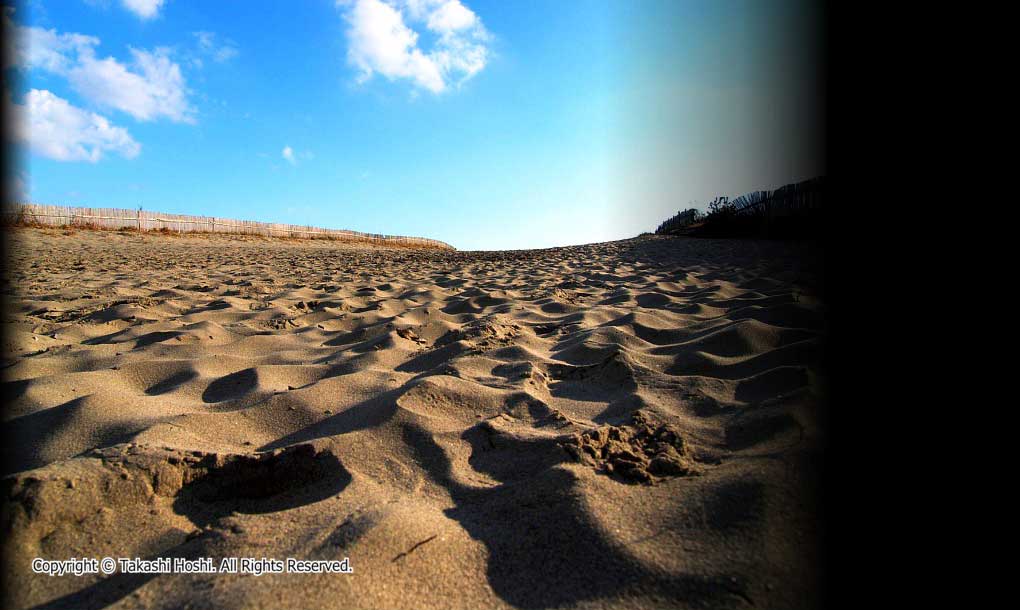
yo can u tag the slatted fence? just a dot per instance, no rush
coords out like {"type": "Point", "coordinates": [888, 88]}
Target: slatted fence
{"type": "Point", "coordinates": [798, 203]}
{"type": "Point", "coordinates": [144, 220]}
{"type": "Point", "coordinates": [788, 200]}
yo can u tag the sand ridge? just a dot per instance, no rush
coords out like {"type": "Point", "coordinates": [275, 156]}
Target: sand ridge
{"type": "Point", "coordinates": [626, 424]}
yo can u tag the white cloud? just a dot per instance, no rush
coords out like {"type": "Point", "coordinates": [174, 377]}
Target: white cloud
{"type": "Point", "coordinates": [152, 86]}
{"type": "Point", "coordinates": [292, 156]}
{"type": "Point", "coordinates": [48, 50]}
{"type": "Point", "coordinates": [450, 17]}
{"type": "Point", "coordinates": [145, 9]}
{"type": "Point", "coordinates": [379, 40]}
{"type": "Point", "coordinates": [54, 128]}
{"type": "Point", "coordinates": [288, 154]}
{"type": "Point", "coordinates": [209, 46]}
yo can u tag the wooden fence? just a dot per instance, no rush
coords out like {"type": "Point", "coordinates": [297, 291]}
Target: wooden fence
{"type": "Point", "coordinates": [680, 221]}
{"type": "Point", "coordinates": [800, 202]}
{"type": "Point", "coordinates": [144, 220]}
{"type": "Point", "coordinates": [790, 200]}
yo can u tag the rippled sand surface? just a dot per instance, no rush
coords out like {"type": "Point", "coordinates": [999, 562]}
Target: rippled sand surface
{"type": "Point", "coordinates": [632, 424]}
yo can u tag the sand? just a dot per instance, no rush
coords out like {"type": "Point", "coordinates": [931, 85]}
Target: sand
{"type": "Point", "coordinates": [633, 424]}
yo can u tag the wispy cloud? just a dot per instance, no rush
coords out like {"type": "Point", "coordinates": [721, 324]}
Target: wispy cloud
{"type": "Point", "coordinates": [144, 9]}
{"type": "Point", "coordinates": [212, 47]}
{"type": "Point", "coordinates": [292, 156]}
{"type": "Point", "coordinates": [152, 86]}
{"type": "Point", "coordinates": [288, 154]}
{"type": "Point", "coordinates": [149, 87]}
{"type": "Point", "coordinates": [54, 128]}
{"type": "Point", "coordinates": [380, 40]}
{"type": "Point", "coordinates": [36, 47]}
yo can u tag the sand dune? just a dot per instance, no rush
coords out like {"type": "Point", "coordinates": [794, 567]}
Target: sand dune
{"type": "Point", "coordinates": [626, 424]}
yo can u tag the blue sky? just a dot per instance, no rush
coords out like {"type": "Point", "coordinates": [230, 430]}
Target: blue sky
{"type": "Point", "coordinates": [485, 124]}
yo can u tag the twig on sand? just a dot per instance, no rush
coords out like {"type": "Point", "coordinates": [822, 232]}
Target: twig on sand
{"type": "Point", "coordinates": [415, 547]}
